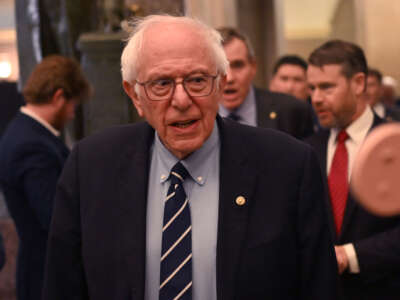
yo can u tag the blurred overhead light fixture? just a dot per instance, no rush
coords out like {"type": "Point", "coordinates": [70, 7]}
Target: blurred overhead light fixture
{"type": "Point", "coordinates": [5, 69]}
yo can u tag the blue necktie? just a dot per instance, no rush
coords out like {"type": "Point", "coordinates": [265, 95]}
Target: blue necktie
{"type": "Point", "coordinates": [176, 253]}
{"type": "Point", "coordinates": [233, 116]}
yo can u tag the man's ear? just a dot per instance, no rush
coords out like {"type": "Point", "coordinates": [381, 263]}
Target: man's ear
{"type": "Point", "coordinates": [58, 98]}
{"type": "Point", "coordinates": [359, 83]}
{"type": "Point", "coordinates": [130, 91]}
{"type": "Point", "coordinates": [253, 64]}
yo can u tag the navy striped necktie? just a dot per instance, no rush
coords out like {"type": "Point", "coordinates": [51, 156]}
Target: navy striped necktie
{"type": "Point", "coordinates": [234, 116]}
{"type": "Point", "coordinates": [176, 253]}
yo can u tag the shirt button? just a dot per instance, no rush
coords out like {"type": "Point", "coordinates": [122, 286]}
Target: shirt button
{"type": "Point", "coordinates": [200, 179]}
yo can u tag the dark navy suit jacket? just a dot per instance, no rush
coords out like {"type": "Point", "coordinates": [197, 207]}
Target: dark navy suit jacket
{"type": "Point", "coordinates": [276, 246]}
{"type": "Point", "coordinates": [284, 112]}
{"type": "Point", "coordinates": [31, 160]}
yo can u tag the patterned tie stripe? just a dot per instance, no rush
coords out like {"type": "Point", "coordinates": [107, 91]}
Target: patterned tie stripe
{"type": "Point", "coordinates": [176, 256]}
{"type": "Point", "coordinates": [338, 181]}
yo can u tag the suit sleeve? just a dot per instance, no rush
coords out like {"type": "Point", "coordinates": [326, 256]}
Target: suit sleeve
{"type": "Point", "coordinates": [306, 122]}
{"type": "Point", "coordinates": [319, 279]}
{"type": "Point", "coordinates": [40, 170]}
{"type": "Point", "coordinates": [64, 275]}
{"type": "Point", "coordinates": [380, 253]}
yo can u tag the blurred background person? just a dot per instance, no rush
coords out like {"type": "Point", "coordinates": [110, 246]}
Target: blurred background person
{"type": "Point", "coordinates": [243, 102]}
{"type": "Point", "coordinates": [32, 156]}
{"type": "Point", "coordinates": [374, 96]}
{"type": "Point", "coordinates": [289, 76]}
{"type": "Point", "coordinates": [389, 85]}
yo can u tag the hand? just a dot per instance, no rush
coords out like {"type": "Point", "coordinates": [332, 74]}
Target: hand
{"type": "Point", "coordinates": [342, 260]}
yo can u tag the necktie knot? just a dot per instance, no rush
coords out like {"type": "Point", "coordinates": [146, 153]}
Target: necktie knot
{"type": "Point", "coordinates": [179, 172]}
{"type": "Point", "coordinates": [342, 136]}
{"type": "Point", "coordinates": [233, 116]}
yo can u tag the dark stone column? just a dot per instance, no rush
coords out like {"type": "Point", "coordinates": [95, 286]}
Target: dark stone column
{"type": "Point", "coordinates": [256, 18]}
{"type": "Point", "coordinates": [100, 61]}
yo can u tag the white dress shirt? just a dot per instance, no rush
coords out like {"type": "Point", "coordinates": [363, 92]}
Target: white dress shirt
{"type": "Point", "coordinates": [357, 132]}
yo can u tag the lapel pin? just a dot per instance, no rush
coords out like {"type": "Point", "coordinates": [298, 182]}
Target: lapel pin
{"type": "Point", "coordinates": [272, 115]}
{"type": "Point", "coordinates": [240, 200]}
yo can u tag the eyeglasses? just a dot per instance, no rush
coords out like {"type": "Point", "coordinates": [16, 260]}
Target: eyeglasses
{"type": "Point", "coordinates": [195, 85]}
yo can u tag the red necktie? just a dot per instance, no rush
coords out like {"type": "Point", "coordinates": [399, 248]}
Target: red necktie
{"type": "Point", "coordinates": [337, 180]}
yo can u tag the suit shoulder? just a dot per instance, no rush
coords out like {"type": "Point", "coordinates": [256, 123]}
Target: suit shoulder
{"type": "Point", "coordinates": [116, 136]}
{"type": "Point", "coordinates": [318, 137]}
{"type": "Point", "coordinates": [282, 99]}
{"type": "Point", "coordinates": [272, 140]}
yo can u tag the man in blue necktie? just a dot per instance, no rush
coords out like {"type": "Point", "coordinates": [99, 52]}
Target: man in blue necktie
{"type": "Point", "coordinates": [187, 205]}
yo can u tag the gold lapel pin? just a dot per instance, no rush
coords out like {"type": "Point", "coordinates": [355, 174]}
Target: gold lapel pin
{"type": "Point", "coordinates": [240, 200]}
{"type": "Point", "coordinates": [272, 115]}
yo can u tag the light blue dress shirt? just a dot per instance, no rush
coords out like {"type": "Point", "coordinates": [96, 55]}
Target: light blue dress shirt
{"type": "Point", "coordinates": [202, 189]}
{"type": "Point", "coordinates": [247, 111]}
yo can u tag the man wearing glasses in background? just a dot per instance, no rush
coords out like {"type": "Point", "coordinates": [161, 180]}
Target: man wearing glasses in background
{"type": "Point", "coordinates": [188, 209]}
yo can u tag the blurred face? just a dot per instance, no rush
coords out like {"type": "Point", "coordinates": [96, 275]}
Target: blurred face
{"type": "Point", "coordinates": [374, 90]}
{"type": "Point", "coordinates": [292, 80]}
{"type": "Point", "coordinates": [240, 74]}
{"type": "Point", "coordinates": [64, 111]}
{"type": "Point", "coordinates": [335, 98]}
{"type": "Point", "coordinates": [174, 51]}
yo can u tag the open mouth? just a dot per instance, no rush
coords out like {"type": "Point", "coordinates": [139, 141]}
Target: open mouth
{"type": "Point", "coordinates": [229, 91]}
{"type": "Point", "coordinates": [183, 124]}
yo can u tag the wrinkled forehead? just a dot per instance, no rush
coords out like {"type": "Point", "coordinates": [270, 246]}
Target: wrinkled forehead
{"type": "Point", "coordinates": [175, 40]}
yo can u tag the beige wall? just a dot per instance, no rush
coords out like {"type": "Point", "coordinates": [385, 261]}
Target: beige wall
{"type": "Point", "coordinates": [303, 47]}
{"type": "Point", "coordinates": [373, 25]}
{"type": "Point", "coordinates": [215, 13]}
{"type": "Point", "coordinates": [382, 41]}
{"type": "Point", "coordinates": [343, 22]}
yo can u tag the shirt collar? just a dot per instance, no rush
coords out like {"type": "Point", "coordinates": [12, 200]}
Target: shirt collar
{"type": "Point", "coordinates": [25, 110]}
{"type": "Point", "coordinates": [194, 163]}
{"type": "Point", "coordinates": [358, 129]}
{"type": "Point", "coordinates": [244, 108]}
{"type": "Point", "coordinates": [379, 109]}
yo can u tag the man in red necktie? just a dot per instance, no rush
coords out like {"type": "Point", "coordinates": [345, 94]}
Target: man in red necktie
{"type": "Point", "coordinates": [337, 78]}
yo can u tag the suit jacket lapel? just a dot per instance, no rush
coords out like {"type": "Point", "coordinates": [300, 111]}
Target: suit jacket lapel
{"type": "Point", "coordinates": [265, 109]}
{"type": "Point", "coordinates": [134, 166]}
{"type": "Point", "coordinates": [236, 179]}
{"type": "Point", "coordinates": [351, 204]}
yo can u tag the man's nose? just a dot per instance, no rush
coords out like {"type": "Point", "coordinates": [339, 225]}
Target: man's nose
{"type": "Point", "coordinates": [229, 75]}
{"type": "Point", "coordinates": [289, 86]}
{"type": "Point", "coordinates": [316, 96]}
{"type": "Point", "coordinates": [181, 99]}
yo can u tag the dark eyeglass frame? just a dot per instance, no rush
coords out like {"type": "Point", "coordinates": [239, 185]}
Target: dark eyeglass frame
{"type": "Point", "coordinates": [175, 83]}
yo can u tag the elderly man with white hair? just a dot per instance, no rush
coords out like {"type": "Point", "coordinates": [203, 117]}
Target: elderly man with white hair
{"type": "Point", "coordinates": [187, 205]}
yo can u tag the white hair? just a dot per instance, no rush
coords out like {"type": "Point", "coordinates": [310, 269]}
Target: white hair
{"type": "Point", "coordinates": [132, 51]}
